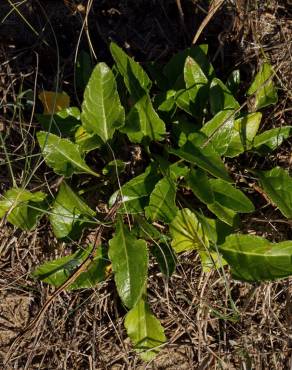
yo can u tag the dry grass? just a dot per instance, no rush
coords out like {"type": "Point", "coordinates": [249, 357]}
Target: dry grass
{"type": "Point", "coordinates": [211, 322]}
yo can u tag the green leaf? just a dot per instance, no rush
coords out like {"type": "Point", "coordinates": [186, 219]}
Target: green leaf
{"type": "Point", "coordinates": [215, 229]}
{"type": "Point", "coordinates": [211, 260]}
{"type": "Point", "coordinates": [114, 168]}
{"type": "Point", "coordinates": [56, 272]}
{"type": "Point", "coordinates": [63, 123]}
{"type": "Point", "coordinates": [86, 141]}
{"type": "Point", "coordinates": [173, 69]}
{"type": "Point", "coordinates": [233, 81]}
{"type": "Point", "coordinates": [62, 155]}
{"type": "Point", "coordinates": [84, 69]}
{"type": "Point", "coordinates": [144, 330]}
{"type": "Point", "coordinates": [194, 98]}
{"type": "Point", "coordinates": [204, 157]}
{"type": "Point", "coordinates": [226, 215]}
{"type": "Point", "coordinates": [271, 139]}
{"type": "Point", "coordinates": [68, 212]}
{"type": "Point", "coordinates": [102, 112]}
{"type": "Point", "coordinates": [253, 258]}
{"type": "Point", "coordinates": [263, 87]}
{"type": "Point", "coordinates": [199, 183]}
{"type": "Point", "coordinates": [277, 184]}
{"type": "Point", "coordinates": [245, 129]}
{"type": "Point", "coordinates": [143, 122]}
{"type": "Point", "coordinates": [230, 197]}
{"type": "Point", "coordinates": [129, 257]}
{"type": "Point", "coordinates": [221, 98]}
{"type": "Point", "coordinates": [135, 78]}
{"type": "Point", "coordinates": [165, 258]}
{"type": "Point", "coordinates": [187, 232]}
{"type": "Point", "coordinates": [144, 230]}
{"type": "Point", "coordinates": [22, 207]}
{"type": "Point", "coordinates": [162, 205]}
{"type": "Point", "coordinates": [135, 193]}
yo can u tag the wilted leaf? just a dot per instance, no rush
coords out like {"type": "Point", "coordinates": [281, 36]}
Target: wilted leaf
{"type": "Point", "coordinates": [144, 330]}
{"type": "Point", "coordinates": [54, 102]}
{"type": "Point", "coordinates": [129, 257]}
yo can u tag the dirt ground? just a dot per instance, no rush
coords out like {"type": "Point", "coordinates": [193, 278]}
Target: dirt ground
{"type": "Point", "coordinates": [210, 322]}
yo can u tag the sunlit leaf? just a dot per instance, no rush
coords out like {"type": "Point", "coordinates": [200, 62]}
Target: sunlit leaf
{"type": "Point", "coordinates": [87, 141]}
{"type": "Point", "coordinates": [271, 139]}
{"type": "Point", "coordinates": [224, 214]}
{"type": "Point", "coordinates": [221, 98]}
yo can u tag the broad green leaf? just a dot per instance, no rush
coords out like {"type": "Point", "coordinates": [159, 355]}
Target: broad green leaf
{"type": "Point", "coordinates": [63, 123]}
{"type": "Point", "coordinates": [62, 155]}
{"type": "Point", "coordinates": [144, 330]}
{"type": "Point", "coordinates": [162, 205]}
{"type": "Point", "coordinates": [68, 212]}
{"type": "Point", "coordinates": [166, 101]}
{"type": "Point", "coordinates": [174, 68]}
{"type": "Point", "coordinates": [221, 98]}
{"type": "Point", "coordinates": [199, 183]}
{"type": "Point", "coordinates": [226, 215]}
{"type": "Point", "coordinates": [194, 98]}
{"type": "Point", "coordinates": [187, 232]}
{"type": "Point", "coordinates": [87, 141]}
{"type": "Point", "coordinates": [211, 260]}
{"type": "Point", "coordinates": [230, 197]}
{"type": "Point", "coordinates": [233, 81]}
{"type": "Point", "coordinates": [135, 78]}
{"type": "Point", "coordinates": [22, 207]}
{"type": "Point", "coordinates": [165, 258]}
{"type": "Point", "coordinates": [216, 230]}
{"type": "Point", "coordinates": [271, 139]}
{"type": "Point", "coordinates": [135, 193]}
{"type": "Point", "coordinates": [181, 130]}
{"type": "Point", "coordinates": [143, 122]}
{"type": "Point", "coordinates": [102, 112]}
{"type": "Point", "coordinates": [253, 258]}
{"type": "Point", "coordinates": [205, 157]}
{"type": "Point", "coordinates": [277, 184]}
{"type": "Point", "coordinates": [56, 272]}
{"type": "Point", "coordinates": [144, 230]}
{"type": "Point", "coordinates": [263, 87]}
{"type": "Point", "coordinates": [129, 257]}
{"type": "Point", "coordinates": [243, 134]}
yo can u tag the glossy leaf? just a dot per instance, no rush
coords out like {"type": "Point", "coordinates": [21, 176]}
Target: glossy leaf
{"type": "Point", "coordinates": [230, 197]}
{"type": "Point", "coordinates": [187, 232]}
{"type": "Point", "coordinates": [199, 183]}
{"type": "Point", "coordinates": [62, 155]}
{"type": "Point", "coordinates": [68, 212]}
{"type": "Point", "coordinates": [253, 258]}
{"type": "Point", "coordinates": [233, 81]}
{"type": "Point", "coordinates": [162, 205]}
{"type": "Point", "coordinates": [263, 87]}
{"type": "Point", "coordinates": [53, 101]}
{"type": "Point", "coordinates": [56, 272]}
{"type": "Point", "coordinates": [277, 184]}
{"type": "Point", "coordinates": [221, 98]}
{"type": "Point", "coordinates": [144, 330]}
{"type": "Point", "coordinates": [243, 134]}
{"type": "Point", "coordinates": [135, 193]}
{"type": "Point", "coordinates": [22, 207]}
{"type": "Point", "coordinates": [135, 78]}
{"type": "Point", "coordinates": [271, 139]}
{"type": "Point", "coordinates": [204, 157]}
{"type": "Point", "coordinates": [129, 257]}
{"type": "Point", "coordinates": [102, 112]}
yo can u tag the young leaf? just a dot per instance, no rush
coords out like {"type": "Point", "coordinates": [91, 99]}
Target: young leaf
{"type": "Point", "coordinates": [144, 330]}
{"type": "Point", "coordinates": [230, 197]}
{"type": "Point", "coordinates": [194, 98]}
{"type": "Point", "coordinates": [62, 155]}
{"type": "Point", "coordinates": [277, 184]}
{"type": "Point", "coordinates": [135, 78]}
{"type": "Point", "coordinates": [187, 232]}
{"type": "Point", "coordinates": [271, 139]}
{"type": "Point", "coordinates": [199, 183]}
{"type": "Point", "coordinates": [129, 257]}
{"type": "Point", "coordinates": [68, 212]}
{"type": "Point", "coordinates": [143, 122]}
{"type": "Point", "coordinates": [134, 194]}
{"type": "Point", "coordinates": [162, 205]}
{"type": "Point", "coordinates": [56, 272]}
{"type": "Point", "coordinates": [22, 207]}
{"type": "Point", "coordinates": [102, 112]}
{"type": "Point", "coordinates": [204, 157]}
{"type": "Point", "coordinates": [243, 133]}
{"type": "Point", "coordinates": [253, 258]}
{"type": "Point", "coordinates": [263, 87]}
{"type": "Point", "coordinates": [221, 98]}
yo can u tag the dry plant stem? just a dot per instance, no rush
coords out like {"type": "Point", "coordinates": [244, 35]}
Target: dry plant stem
{"type": "Point", "coordinates": [34, 324]}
